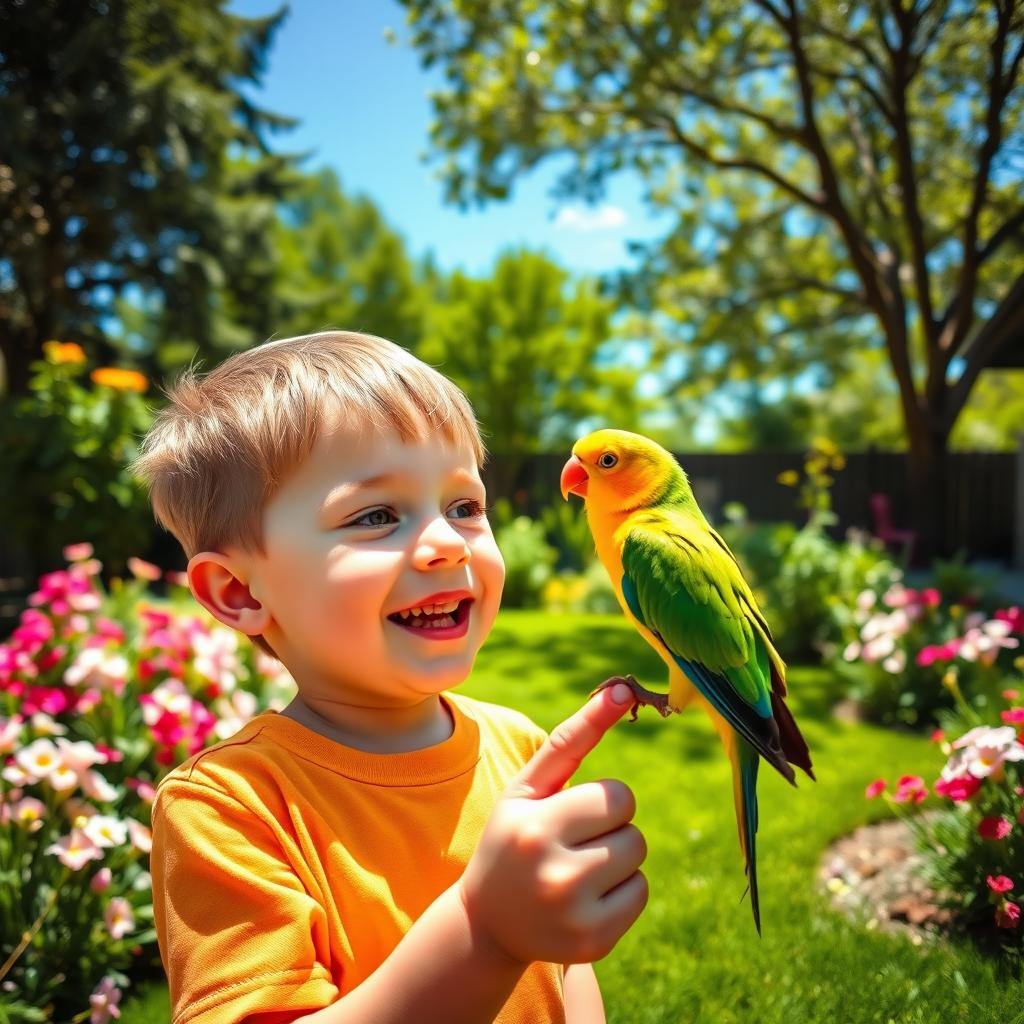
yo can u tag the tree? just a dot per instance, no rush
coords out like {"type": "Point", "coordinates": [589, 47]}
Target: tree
{"type": "Point", "coordinates": [339, 265]}
{"type": "Point", "coordinates": [535, 353]}
{"type": "Point", "coordinates": [852, 165]}
{"type": "Point", "coordinates": [123, 128]}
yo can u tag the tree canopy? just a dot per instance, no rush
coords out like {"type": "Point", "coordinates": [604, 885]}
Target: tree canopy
{"type": "Point", "coordinates": [840, 174]}
{"type": "Point", "coordinates": [122, 128]}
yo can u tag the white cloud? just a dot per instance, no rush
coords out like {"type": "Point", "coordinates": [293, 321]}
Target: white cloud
{"type": "Point", "coordinates": [578, 218]}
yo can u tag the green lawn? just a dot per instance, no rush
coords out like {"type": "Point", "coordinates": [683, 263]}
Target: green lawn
{"type": "Point", "coordinates": [694, 955]}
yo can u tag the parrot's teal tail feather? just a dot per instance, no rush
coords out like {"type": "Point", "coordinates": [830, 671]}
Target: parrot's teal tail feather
{"type": "Point", "coordinates": [746, 761]}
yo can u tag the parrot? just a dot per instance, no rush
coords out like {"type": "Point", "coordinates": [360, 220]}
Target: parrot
{"type": "Point", "coordinates": [679, 584]}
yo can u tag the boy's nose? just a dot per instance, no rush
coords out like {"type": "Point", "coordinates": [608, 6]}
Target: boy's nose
{"type": "Point", "coordinates": [440, 544]}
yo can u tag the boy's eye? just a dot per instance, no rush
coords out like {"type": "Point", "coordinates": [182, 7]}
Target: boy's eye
{"type": "Point", "coordinates": [471, 509]}
{"type": "Point", "coordinates": [375, 517]}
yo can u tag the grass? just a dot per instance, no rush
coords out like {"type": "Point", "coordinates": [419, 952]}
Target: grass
{"type": "Point", "coordinates": [694, 956]}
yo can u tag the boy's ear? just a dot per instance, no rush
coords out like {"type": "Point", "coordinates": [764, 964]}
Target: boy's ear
{"type": "Point", "coordinates": [214, 584]}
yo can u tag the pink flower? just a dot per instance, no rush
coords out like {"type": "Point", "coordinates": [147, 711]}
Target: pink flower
{"type": "Point", "coordinates": [103, 1002]}
{"type": "Point", "coordinates": [930, 597]}
{"type": "Point", "coordinates": [1007, 915]}
{"type": "Point", "coordinates": [910, 788]}
{"type": "Point", "coordinates": [938, 652]}
{"type": "Point", "coordinates": [118, 917]}
{"type": "Point", "coordinates": [938, 736]}
{"type": "Point", "coordinates": [144, 570]}
{"type": "Point", "coordinates": [994, 828]}
{"type": "Point", "coordinates": [874, 788]}
{"type": "Point", "coordinates": [101, 880]}
{"type": "Point", "coordinates": [958, 789]}
{"type": "Point", "coordinates": [1014, 715]}
{"type": "Point", "coordinates": [1014, 616]}
{"type": "Point", "coordinates": [999, 883]}
{"type": "Point", "coordinates": [74, 851]}
{"type": "Point", "coordinates": [1011, 694]}
{"type": "Point", "coordinates": [78, 552]}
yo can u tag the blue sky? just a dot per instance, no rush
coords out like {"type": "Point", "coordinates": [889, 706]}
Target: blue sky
{"type": "Point", "coordinates": [364, 108]}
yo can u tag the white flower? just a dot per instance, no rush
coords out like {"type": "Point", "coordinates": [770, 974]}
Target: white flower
{"type": "Point", "coordinates": [168, 696]}
{"type": "Point", "coordinates": [983, 643]}
{"type": "Point", "coordinates": [94, 666]}
{"type": "Point", "coordinates": [982, 751]}
{"type": "Point", "coordinates": [38, 759]}
{"type": "Point", "coordinates": [216, 657]}
{"type": "Point", "coordinates": [866, 600]}
{"type": "Point", "coordinates": [233, 712]}
{"type": "Point", "coordinates": [62, 778]}
{"type": "Point", "coordinates": [878, 648]}
{"type": "Point", "coordinates": [896, 662]}
{"type": "Point", "coordinates": [852, 651]}
{"type": "Point", "coordinates": [10, 731]}
{"type": "Point", "coordinates": [106, 831]}
{"type": "Point", "coordinates": [44, 725]}
{"type": "Point", "coordinates": [97, 788]}
{"type": "Point", "coordinates": [79, 756]}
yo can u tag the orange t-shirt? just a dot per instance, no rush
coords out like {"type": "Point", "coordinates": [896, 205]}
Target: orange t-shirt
{"type": "Point", "coordinates": [286, 867]}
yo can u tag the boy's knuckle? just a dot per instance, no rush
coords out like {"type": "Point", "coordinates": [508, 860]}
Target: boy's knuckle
{"type": "Point", "coordinates": [555, 885]}
{"type": "Point", "coordinates": [621, 801]}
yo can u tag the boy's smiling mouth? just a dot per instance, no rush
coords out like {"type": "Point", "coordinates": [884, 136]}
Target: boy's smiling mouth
{"type": "Point", "coordinates": [442, 616]}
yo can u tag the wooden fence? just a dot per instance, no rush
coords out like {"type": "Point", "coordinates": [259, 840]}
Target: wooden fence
{"type": "Point", "coordinates": [980, 505]}
{"type": "Point", "coordinates": [984, 506]}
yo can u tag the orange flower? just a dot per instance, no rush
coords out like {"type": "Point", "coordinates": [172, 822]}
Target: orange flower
{"type": "Point", "coordinates": [120, 379]}
{"type": "Point", "coordinates": [63, 352]}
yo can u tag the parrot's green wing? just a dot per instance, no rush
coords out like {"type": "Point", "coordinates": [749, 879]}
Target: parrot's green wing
{"type": "Point", "coordinates": [682, 582]}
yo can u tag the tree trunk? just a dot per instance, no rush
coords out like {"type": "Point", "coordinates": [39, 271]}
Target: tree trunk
{"type": "Point", "coordinates": [930, 496]}
{"type": "Point", "coordinates": [16, 352]}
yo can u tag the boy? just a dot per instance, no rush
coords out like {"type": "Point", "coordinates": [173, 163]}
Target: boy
{"type": "Point", "coordinates": [381, 850]}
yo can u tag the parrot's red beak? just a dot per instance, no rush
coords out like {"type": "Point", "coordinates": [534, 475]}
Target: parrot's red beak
{"type": "Point", "coordinates": [574, 479]}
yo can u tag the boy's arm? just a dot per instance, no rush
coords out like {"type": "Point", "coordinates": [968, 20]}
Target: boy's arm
{"type": "Point", "coordinates": [555, 878]}
{"type": "Point", "coordinates": [583, 1003]}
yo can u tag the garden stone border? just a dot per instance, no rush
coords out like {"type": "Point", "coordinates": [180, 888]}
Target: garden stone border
{"type": "Point", "coordinates": [875, 875]}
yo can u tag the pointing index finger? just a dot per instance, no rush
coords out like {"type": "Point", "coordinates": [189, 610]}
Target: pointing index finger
{"type": "Point", "coordinates": [570, 742]}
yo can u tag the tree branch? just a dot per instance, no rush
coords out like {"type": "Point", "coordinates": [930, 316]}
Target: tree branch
{"type": "Point", "coordinates": [902, 76]}
{"type": "Point", "coordinates": [999, 88]}
{"type": "Point", "coordinates": [1006, 322]}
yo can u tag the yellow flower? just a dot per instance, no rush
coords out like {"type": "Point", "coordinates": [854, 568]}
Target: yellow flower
{"type": "Point", "coordinates": [120, 379]}
{"type": "Point", "coordinates": [788, 478]}
{"type": "Point", "coordinates": [63, 352]}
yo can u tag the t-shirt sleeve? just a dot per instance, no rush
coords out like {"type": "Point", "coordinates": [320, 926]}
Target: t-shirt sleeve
{"type": "Point", "coordinates": [239, 935]}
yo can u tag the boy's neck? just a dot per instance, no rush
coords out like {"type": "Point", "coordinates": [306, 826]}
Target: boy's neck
{"type": "Point", "coordinates": [375, 730]}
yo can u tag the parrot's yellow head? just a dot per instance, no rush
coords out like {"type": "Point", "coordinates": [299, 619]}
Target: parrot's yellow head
{"type": "Point", "coordinates": [618, 471]}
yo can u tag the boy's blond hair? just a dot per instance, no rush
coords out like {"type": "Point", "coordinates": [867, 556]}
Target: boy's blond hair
{"type": "Point", "coordinates": [226, 441]}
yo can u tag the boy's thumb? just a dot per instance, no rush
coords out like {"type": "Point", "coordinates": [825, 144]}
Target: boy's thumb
{"type": "Point", "coordinates": [569, 742]}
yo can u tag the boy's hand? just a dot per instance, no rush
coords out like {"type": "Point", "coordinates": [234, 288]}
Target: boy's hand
{"type": "Point", "coordinates": [555, 875]}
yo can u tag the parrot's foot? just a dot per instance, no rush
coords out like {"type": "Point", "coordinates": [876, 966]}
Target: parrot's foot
{"type": "Point", "coordinates": [642, 697]}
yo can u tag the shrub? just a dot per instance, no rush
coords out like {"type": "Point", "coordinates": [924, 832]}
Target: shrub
{"type": "Point", "coordinates": [898, 643]}
{"type": "Point", "coordinates": [100, 694]}
{"type": "Point", "coordinates": [529, 558]}
{"type": "Point", "coordinates": [65, 449]}
{"type": "Point", "coordinates": [800, 574]}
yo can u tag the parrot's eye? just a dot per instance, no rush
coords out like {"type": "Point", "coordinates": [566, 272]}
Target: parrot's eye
{"type": "Point", "coordinates": [607, 460]}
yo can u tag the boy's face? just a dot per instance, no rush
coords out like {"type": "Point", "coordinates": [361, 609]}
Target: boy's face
{"type": "Point", "coordinates": [369, 527]}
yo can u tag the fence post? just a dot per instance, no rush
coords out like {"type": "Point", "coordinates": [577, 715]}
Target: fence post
{"type": "Point", "coordinates": [1018, 508]}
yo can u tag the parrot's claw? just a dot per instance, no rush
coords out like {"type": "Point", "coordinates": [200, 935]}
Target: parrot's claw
{"type": "Point", "coordinates": [642, 697]}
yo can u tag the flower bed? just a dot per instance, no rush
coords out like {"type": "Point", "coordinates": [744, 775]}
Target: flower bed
{"type": "Point", "coordinates": [100, 694]}
{"type": "Point", "coordinates": [974, 849]}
